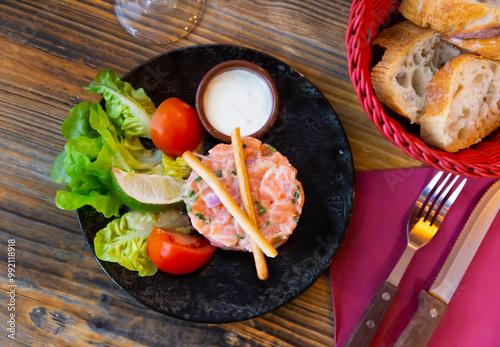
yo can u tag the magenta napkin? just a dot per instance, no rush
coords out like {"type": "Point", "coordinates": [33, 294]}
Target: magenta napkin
{"type": "Point", "coordinates": [375, 240]}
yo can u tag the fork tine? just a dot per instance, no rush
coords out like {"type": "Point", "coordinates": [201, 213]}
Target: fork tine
{"type": "Point", "coordinates": [430, 202]}
{"type": "Point", "coordinates": [429, 190]}
{"type": "Point", "coordinates": [436, 204]}
{"type": "Point", "coordinates": [444, 207]}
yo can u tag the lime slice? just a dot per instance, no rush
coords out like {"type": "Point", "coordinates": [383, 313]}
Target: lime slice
{"type": "Point", "coordinates": [150, 193]}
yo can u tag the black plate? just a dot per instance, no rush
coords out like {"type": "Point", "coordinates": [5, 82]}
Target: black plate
{"type": "Point", "coordinates": [309, 133]}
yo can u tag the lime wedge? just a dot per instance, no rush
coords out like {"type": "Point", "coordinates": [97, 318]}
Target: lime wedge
{"type": "Point", "coordinates": [150, 193]}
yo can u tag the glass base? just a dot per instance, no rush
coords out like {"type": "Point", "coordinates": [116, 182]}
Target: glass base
{"type": "Point", "coordinates": [159, 21]}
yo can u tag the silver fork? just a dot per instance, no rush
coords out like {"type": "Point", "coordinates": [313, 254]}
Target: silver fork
{"type": "Point", "coordinates": [426, 217]}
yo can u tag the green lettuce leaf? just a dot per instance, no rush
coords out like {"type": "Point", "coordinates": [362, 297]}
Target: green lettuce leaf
{"type": "Point", "coordinates": [136, 159]}
{"type": "Point", "coordinates": [131, 110]}
{"type": "Point", "coordinates": [175, 167]}
{"type": "Point", "coordinates": [78, 123]}
{"type": "Point", "coordinates": [124, 239]}
{"type": "Point", "coordinates": [107, 203]}
{"type": "Point", "coordinates": [94, 146]}
{"type": "Point", "coordinates": [57, 172]}
{"type": "Point", "coordinates": [88, 181]}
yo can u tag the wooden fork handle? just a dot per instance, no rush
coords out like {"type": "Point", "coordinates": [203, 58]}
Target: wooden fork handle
{"type": "Point", "coordinates": [367, 326]}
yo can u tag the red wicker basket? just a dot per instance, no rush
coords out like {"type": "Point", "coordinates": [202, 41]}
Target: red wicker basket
{"type": "Point", "coordinates": [366, 19]}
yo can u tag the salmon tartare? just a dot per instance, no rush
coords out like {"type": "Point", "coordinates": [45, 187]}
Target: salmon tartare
{"type": "Point", "coordinates": [277, 196]}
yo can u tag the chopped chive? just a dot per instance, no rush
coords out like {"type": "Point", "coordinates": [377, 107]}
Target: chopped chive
{"type": "Point", "coordinates": [271, 148]}
{"type": "Point", "coordinates": [189, 209]}
{"type": "Point", "coordinates": [268, 223]}
{"type": "Point", "coordinates": [191, 193]}
{"type": "Point", "coordinates": [208, 221]}
{"type": "Point", "coordinates": [195, 198]}
{"type": "Point", "coordinates": [293, 201]}
{"type": "Point", "coordinates": [200, 216]}
{"type": "Point", "coordinates": [295, 220]}
{"type": "Point", "coordinates": [219, 173]}
{"type": "Point", "coordinates": [298, 187]}
{"type": "Point", "coordinates": [183, 196]}
{"type": "Point", "coordinates": [239, 236]}
{"type": "Point", "coordinates": [296, 195]}
{"type": "Point", "coordinates": [234, 172]}
{"type": "Point", "coordinates": [262, 210]}
{"type": "Point", "coordinates": [198, 179]}
{"type": "Point", "coordinates": [244, 145]}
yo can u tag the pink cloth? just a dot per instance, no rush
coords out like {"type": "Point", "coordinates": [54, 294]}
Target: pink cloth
{"type": "Point", "coordinates": [375, 240]}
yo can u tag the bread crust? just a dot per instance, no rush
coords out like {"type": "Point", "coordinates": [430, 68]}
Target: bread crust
{"type": "Point", "coordinates": [460, 18]}
{"type": "Point", "coordinates": [440, 126]}
{"type": "Point", "coordinates": [402, 36]}
{"type": "Point", "coordinates": [398, 40]}
{"type": "Point", "coordinates": [488, 48]}
{"type": "Point", "coordinates": [393, 78]}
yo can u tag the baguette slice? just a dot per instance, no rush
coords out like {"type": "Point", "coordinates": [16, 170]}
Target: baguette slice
{"type": "Point", "coordinates": [460, 18]}
{"type": "Point", "coordinates": [488, 48]}
{"type": "Point", "coordinates": [463, 103]}
{"type": "Point", "coordinates": [413, 55]}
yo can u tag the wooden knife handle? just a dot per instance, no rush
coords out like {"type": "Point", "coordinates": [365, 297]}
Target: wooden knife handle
{"type": "Point", "coordinates": [419, 331]}
{"type": "Point", "coordinates": [367, 326]}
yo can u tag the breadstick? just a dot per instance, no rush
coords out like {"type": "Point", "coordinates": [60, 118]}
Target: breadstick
{"type": "Point", "coordinates": [246, 197]}
{"type": "Point", "coordinates": [229, 203]}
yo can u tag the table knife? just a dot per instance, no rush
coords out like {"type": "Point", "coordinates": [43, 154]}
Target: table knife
{"type": "Point", "coordinates": [432, 304]}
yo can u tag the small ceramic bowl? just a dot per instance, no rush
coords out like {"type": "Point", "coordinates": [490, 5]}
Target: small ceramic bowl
{"type": "Point", "coordinates": [236, 65]}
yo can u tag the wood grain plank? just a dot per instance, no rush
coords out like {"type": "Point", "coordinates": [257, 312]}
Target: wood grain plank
{"type": "Point", "coordinates": [51, 49]}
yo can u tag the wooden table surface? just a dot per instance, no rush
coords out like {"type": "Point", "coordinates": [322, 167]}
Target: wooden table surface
{"type": "Point", "coordinates": [50, 50]}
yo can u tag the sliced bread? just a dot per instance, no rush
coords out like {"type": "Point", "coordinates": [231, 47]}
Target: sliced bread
{"type": "Point", "coordinates": [461, 18]}
{"type": "Point", "coordinates": [463, 103]}
{"type": "Point", "coordinates": [413, 55]}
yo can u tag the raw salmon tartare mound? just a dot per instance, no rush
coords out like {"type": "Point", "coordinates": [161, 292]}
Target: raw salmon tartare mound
{"type": "Point", "coordinates": [277, 194]}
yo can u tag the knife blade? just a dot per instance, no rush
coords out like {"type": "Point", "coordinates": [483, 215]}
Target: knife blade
{"type": "Point", "coordinates": [432, 304]}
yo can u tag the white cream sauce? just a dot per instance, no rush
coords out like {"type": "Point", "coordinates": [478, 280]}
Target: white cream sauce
{"type": "Point", "coordinates": [237, 98]}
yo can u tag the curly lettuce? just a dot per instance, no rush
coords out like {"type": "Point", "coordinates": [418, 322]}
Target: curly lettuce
{"type": "Point", "coordinates": [131, 110]}
{"type": "Point", "coordinates": [176, 167]}
{"type": "Point", "coordinates": [130, 153]}
{"type": "Point", "coordinates": [173, 167]}
{"type": "Point", "coordinates": [124, 239]}
{"type": "Point", "coordinates": [94, 146]}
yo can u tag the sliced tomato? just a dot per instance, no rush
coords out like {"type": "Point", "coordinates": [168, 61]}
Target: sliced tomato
{"type": "Point", "coordinates": [175, 127]}
{"type": "Point", "coordinates": [176, 253]}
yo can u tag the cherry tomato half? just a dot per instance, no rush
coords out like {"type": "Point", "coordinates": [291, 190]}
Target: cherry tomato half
{"type": "Point", "coordinates": [176, 253]}
{"type": "Point", "coordinates": [175, 127]}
